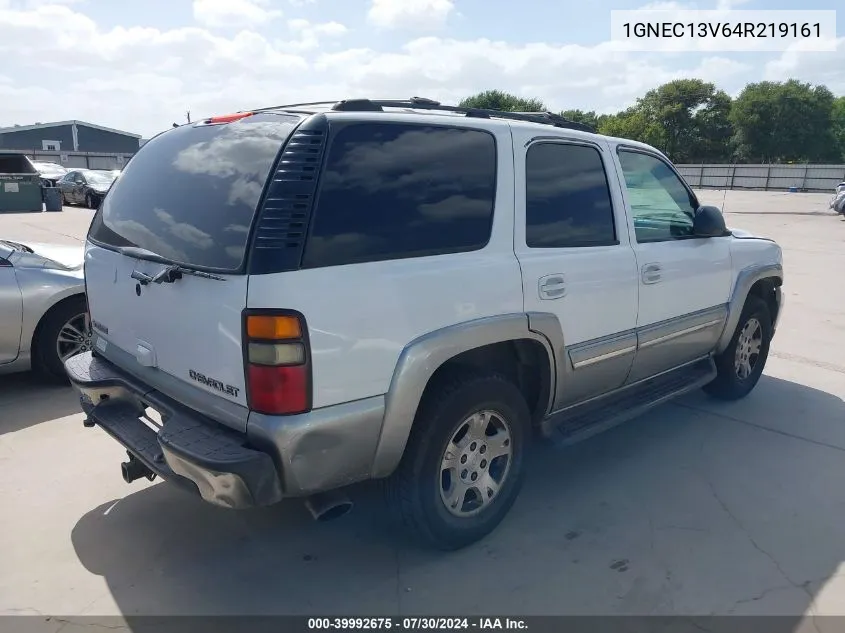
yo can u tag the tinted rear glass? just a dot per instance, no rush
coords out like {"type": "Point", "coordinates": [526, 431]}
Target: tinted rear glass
{"type": "Point", "coordinates": [190, 194]}
{"type": "Point", "coordinates": [567, 197]}
{"type": "Point", "coordinates": [393, 191]}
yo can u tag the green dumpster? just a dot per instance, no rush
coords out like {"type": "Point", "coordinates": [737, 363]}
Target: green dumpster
{"type": "Point", "coordinates": [20, 184]}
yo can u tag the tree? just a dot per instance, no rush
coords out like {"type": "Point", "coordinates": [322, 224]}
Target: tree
{"type": "Point", "coordinates": [790, 121]}
{"type": "Point", "coordinates": [580, 116]}
{"type": "Point", "coordinates": [631, 124]}
{"type": "Point", "coordinates": [838, 126]}
{"type": "Point", "coordinates": [498, 100]}
{"type": "Point", "coordinates": [693, 116]}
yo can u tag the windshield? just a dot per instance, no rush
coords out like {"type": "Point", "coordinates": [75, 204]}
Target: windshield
{"type": "Point", "coordinates": [190, 194]}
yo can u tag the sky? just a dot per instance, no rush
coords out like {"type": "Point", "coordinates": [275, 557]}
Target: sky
{"type": "Point", "coordinates": [139, 65]}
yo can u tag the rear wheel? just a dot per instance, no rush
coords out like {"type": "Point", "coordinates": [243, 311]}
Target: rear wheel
{"type": "Point", "coordinates": [65, 200]}
{"type": "Point", "coordinates": [90, 201]}
{"type": "Point", "coordinates": [741, 364]}
{"type": "Point", "coordinates": [64, 332]}
{"type": "Point", "coordinates": [463, 466]}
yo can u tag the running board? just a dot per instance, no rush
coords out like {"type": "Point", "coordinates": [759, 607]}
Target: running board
{"type": "Point", "coordinates": [582, 421]}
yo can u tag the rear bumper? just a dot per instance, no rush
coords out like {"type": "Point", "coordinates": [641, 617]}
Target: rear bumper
{"type": "Point", "coordinates": [188, 450]}
{"type": "Point", "coordinates": [279, 456]}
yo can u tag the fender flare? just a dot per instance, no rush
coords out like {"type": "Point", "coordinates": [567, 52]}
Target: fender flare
{"type": "Point", "coordinates": [423, 356]}
{"type": "Point", "coordinates": [746, 278]}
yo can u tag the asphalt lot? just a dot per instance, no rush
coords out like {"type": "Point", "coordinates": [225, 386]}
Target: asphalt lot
{"type": "Point", "coordinates": [696, 508]}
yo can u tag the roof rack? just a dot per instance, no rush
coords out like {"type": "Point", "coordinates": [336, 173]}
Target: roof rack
{"type": "Point", "coordinates": [421, 103]}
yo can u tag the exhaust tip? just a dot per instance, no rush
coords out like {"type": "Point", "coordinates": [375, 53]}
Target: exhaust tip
{"type": "Point", "coordinates": [328, 506]}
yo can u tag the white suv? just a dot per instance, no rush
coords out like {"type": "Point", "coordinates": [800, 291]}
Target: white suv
{"type": "Point", "coordinates": [290, 300]}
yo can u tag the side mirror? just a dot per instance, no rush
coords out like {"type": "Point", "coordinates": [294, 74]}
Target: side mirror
{"type": "Point", "coordinates": [709, 222]}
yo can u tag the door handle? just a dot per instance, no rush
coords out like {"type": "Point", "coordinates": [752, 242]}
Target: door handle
{"type": "Point", "coordinates": [552, 286]}
{"type": "Point", "coordinates": [652, 273]}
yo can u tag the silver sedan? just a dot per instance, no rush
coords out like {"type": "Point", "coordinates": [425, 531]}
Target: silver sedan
{"type": "Point", "coordinates": [43, 312]}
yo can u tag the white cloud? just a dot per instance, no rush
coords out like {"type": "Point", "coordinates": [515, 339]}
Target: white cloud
{"type": "Point", "coordinates": [416, 14]}
{"type": "Point", "coordinates": [142, 79]}
{"type": "Point", "coordinates": [726, 5]}
{"type": "Point", "coordinates": [826, 68]}
{"type": "Point", "coordinates": [309, 36]}
{"type": "Point", "coordinates": [234, 13]}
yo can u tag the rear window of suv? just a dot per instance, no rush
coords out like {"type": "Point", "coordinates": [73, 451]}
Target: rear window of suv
{"type": "Point", "coordinates": [190, 194]}
{"type": "Point", "coordinates": [394, 191]}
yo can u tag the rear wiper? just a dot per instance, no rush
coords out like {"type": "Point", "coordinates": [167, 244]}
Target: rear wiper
{"type": "Point", "coordinates": [168, 275]}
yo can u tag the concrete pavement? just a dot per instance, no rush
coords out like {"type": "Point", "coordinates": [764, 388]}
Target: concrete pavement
{"type": "Point", "coordinates": [696, 508]}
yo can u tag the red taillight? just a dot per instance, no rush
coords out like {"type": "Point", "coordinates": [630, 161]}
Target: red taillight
{"type": "Point", "coordinates": [278, 390]}
{"type": "Point", "coordinates": [278, 372]}
{"type": "Point", "coordinates": [228, 118]}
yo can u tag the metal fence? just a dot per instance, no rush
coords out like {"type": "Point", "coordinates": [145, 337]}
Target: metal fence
{"type": "Point", "coordinates": [77, 160]}
{"type": "Point", "coordinates": [822, 178]}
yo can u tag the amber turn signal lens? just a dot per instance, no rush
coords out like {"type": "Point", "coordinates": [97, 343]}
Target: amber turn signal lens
{"type": "Point", "coordinates": [273, 327]}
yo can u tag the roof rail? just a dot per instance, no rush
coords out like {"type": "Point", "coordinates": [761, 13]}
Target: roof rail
{"type": "Point", "coordinates": [421, 103]}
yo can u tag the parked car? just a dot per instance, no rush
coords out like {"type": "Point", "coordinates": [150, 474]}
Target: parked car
{"type": "Point", "coordinates": [85, 186]}
{"type": "Point", "coordinates": [405, 291]}
{"type": "Point", "coordinates": [43, 315]}
{"type": "Point", "coordinates": [51, 173]}
{"type": "Point", "coordinates": [837, 203]}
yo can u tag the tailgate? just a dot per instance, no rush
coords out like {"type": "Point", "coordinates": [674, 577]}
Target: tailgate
{"type": "Point", "coordinates": [186, 202]}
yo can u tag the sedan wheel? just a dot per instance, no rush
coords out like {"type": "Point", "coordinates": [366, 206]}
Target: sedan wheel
{"type": "Point", "coordinates": [63, 332]}
{"type": "Point", "coordinates": [74, 337]}
{"type": "Point", "coordinates": [89, 201]}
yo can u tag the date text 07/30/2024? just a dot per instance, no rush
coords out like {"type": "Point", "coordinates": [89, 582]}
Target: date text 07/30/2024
{"type": "Point", "coordinates": [417, 624]}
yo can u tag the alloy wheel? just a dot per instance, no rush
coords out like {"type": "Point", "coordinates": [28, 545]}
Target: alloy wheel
{"type": "Point", "coordinates": [748, 348]}
{"type": "Point", "coordinates": [475, 463]}
{"type": "Point", "coordinates": [74, 337]}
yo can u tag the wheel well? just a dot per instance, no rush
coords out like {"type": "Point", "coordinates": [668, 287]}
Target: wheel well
{"type": "Point", "coordinates": [36, 334]}
{"type": "Point", "coordinates": [765, 289]}
{"type": "Point", "coordinates": [523, 361]}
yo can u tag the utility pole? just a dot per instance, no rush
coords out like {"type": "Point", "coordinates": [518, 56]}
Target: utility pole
{"type": "Point", "coordinates": [188, 115]}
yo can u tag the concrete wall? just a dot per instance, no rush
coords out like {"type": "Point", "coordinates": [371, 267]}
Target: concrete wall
{"type": "Point", "coordinates": [821, 178]}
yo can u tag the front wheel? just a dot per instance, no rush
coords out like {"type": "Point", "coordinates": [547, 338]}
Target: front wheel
{"type": "Point", "coordinates": [90, 201]}
{"type": "Point", "coordinates": [463, 466]}
{"type": "Point", "coordinates": [740, 366]}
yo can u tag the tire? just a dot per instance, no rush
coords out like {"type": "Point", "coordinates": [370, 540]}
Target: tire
{"type": "Point", "coordinates": [734, 379]}
{"type": "Point", "coordinates": [417, 493]}
{"type": "Point", "coordinates": [90, 202]}
{"type": "Point", "coordinates": [48, 361]}
{"type": "Point", "coordinates": [65, 201]}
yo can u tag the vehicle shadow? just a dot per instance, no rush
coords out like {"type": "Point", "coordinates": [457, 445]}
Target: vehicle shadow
{"type": "Point", "coordinates": [696, 508]}
{"type": "Point", "coordinates": [26, 400]}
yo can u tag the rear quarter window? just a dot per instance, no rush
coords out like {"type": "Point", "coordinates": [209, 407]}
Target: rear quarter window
{"type": "Point", "coordinates": [395, 191]}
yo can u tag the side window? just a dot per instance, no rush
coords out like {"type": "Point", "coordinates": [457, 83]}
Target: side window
{"type": "Point", "coordinates": [662, 206]}
{"type": "Point", "coordinates": [567, 200]}
{"type": "Point", "coordinates": [394, 191]}
{"type": "Point", "coordinates": [70, 176]}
